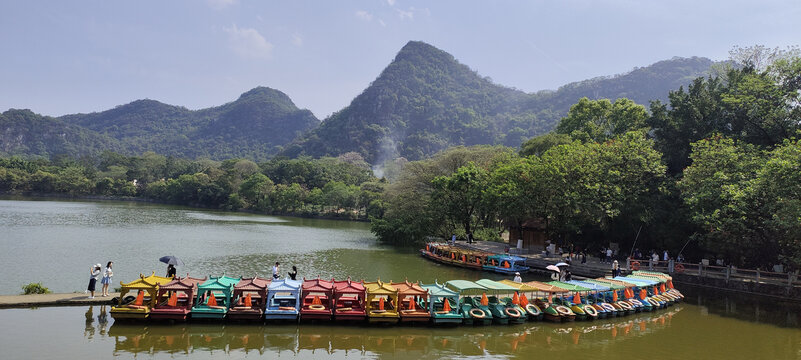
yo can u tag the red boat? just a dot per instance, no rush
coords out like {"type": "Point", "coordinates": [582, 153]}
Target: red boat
{"type": "Point", "coordinates": [317, 296]}
{"type": "Point", "coordinates": [249, 299]}
{"type": "Point", "coordinates": [349, 300]}
{"type": "Point", "coordinates": [413, 302]}
{"type": "Point", "coordinates": [175, 299]}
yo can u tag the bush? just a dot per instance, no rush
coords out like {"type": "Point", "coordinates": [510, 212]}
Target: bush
{"type": "Point", "coordinates": [484, 234]}
{"type": "Point", "coordinates": [34, 288]}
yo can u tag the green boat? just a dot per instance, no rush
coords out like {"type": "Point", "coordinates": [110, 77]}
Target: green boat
{"type": "Point", "coordinates": [438, 294]}
{"type": "Point", "coordinates": [470, 307]}
{"type": "Point", "coordinates": [215, 290]}
{"type": "Point", "coordinates": [503, 312]}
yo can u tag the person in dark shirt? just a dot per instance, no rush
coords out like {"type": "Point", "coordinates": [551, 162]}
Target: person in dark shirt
{"type": "Point", "coordinates": [170, 270]}
{"type": "Point", "coordinates": [293, 273]}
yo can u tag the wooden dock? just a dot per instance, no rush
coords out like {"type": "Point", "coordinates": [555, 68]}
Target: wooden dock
{"type": "Point", "coordinates": [40, 300]}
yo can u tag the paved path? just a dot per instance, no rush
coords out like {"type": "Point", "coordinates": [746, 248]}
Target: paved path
{"type": "Point", "coordinates": [72, 299]}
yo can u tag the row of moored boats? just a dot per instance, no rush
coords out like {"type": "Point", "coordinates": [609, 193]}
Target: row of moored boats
{"type": "Point", "coordinates": [480, 302]}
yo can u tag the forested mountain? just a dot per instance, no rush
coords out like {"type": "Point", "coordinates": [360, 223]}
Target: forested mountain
{"type": "Point", "coordinates": [254, 126]}
{"type": "Point", "coordinates": [23, 132]}
{"type": "Point", "coordinates": [426, 101]}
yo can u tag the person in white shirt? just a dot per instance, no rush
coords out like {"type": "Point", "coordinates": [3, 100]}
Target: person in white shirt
{"type": "Point", "coordinates": [665, 256]}
{"type": "Point", "coordinates": [94, 273]}
{"type": "Point", "coordinates": [609, 255]}
{"type": "Point", "coordinates": [276, 270]}
{"type": "Point", "coordinates": [517, 278]}
{"type": "Point", "coordinates": [106, 280]}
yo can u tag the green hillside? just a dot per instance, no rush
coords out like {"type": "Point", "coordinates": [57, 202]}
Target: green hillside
{"type": "Point", "coordinates": [426, 101]}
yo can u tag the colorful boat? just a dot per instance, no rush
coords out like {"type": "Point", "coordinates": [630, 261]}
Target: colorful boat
{"type": "Point", "coordinates": [454, 255]}
{"type": "Point", "coordinates": [413, 301]}
{"type": "Point", "coordinates": [249, 299]}
{"type": "Point", "coordinates": [505, 264]}
{"type": "Point", "coordinates": [283, 300]}
{"type": "Point", "coordinates": [501, 312]}
{"type": "Point", "coordinates": [532, 311]}
{"type": "Point", "coordinates": [473, 310]}
{"type": "Point", "coordinates": [214, 298]}
{"type": "Point", "coordinates": [175, 299]}
{"type": "Point", "coordinates": [382, 302]}
{"type": "Point", "coordinates": [318, 297]}
{"type": "Point", "coordinates": [438, 297]}
{"type": "Point", "coordinates": [349, 297]}
{"type": "Point", "coordinates": [138, 307]}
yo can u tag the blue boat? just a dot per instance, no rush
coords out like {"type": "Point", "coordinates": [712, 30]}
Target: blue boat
{"type": "Point", "coordinates": [283, 300]}
{"type": "Point", "coordinates": [505, 264]}
{"type": "Point", "coordinates": [437, 296]}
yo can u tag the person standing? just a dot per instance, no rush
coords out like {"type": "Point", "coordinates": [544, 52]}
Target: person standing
{"type": "Point", "coordinates": [665, 256]}
{"type": "Point", "coordinates": [171, 271]}
{"type": "Point", "coordinates": [94, 273]}
{"type": "Point", "coordinates": [517, 278]}
{"type": "Point", "coordinates": [276, 270]}
{"type": "Point", "coordinates": [609, 255]}
{"type": "Point", "coordinates": [583, 257]}
{"type": "Point", "coordinates": [453, 239]}
{"type": "Point", "coordinates": [106, 280]}
{"type": "Point", "coordinates": [615, 269]}
{"type": "Point", "coordinates": [294, 273]}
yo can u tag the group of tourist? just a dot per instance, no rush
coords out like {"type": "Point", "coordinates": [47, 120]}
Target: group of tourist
{"type": "Point", "coordinates": [94, 274]}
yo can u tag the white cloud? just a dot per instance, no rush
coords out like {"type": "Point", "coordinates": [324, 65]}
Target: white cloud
{"type": "Point", "coordinates": [297, 40]}
{"type": "Point", "coordinates": [220, 4]}
{"type": "Point", "coordinates": [364, 15]}
{"type": "Point", "coordinates": [403, 15]}
{"type": "Point", "coordinates": [382, 23]}
{"type": "Point", "coordinates": [391, 2]}
{"type": "Point", "coordinates": [248, 43]}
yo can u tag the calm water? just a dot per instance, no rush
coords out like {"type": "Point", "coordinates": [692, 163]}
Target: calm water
{"type": "Point", "coordinates": [56, 241]}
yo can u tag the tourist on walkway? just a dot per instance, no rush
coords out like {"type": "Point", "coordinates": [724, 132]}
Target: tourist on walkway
{"type": "Point", "coordinates": [294, 273]}
{"type": "Point", "coordinates": [453, 239]}
{"type": "Point", "coordinates": [94, 273]}
{"type": "Point", "coordinates": [106, 280]}
{"type": "Point", "coordinates": [615, 269]}
{"type": "Point", "coordinates": [517, 278]}
{"type": "Point", "coordinates": [665, 256]}
{"type": "Point", "coordinates": [171, 271]}
{"type": "Point", "coordinates": [276, 270]}
{"type": "Point", "coordinates": [609, 255]}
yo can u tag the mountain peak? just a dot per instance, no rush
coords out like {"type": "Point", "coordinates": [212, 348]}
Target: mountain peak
{"type": "Point", "coordinates": [265, 92]}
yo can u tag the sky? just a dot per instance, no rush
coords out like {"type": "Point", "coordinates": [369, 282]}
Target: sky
{"type": "Point", "coordinates": [63, 57]}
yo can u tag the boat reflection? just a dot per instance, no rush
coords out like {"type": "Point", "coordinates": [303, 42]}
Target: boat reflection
{"type": "Point", "coordinates": [364, 340]}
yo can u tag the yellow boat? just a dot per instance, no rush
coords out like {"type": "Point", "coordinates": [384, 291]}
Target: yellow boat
{"type": "Point", "coordinates": [138, 307]}
{"type": "Point", "coordinates": [382, 302]}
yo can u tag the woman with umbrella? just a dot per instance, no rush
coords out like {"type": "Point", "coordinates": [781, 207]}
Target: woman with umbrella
{"type": "Point", "coordinates": [171, 262]}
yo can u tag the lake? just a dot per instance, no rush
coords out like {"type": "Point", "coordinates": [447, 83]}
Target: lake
{"type": "Point", "coordinates": [55, 242]}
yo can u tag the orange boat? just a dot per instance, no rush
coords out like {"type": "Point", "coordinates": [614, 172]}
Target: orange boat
{"type": "Point", "coordinates": [317, 298]}
{"type": "Point", "coordinates": [249, 299]}
{"type": "Point", "coordinates": [413, 302]}
{"type": "Point", "coordinates": [349, 300]}
{"type": "Point", "coordinates": [175, 299]}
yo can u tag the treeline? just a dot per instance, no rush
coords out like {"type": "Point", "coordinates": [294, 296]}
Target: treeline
{"type": "Point", "coordinates": [716, 172]}
{"type": "Point", "coordinates": [342, 187]}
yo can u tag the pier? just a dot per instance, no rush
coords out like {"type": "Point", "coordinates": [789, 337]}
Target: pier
{"type": "Point", "coordinates": [40, 300]}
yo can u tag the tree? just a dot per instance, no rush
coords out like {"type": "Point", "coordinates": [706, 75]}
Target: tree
{"type": "Point", "coordinates": [460, 195]}
{"type": "Point", "coordinates": [540, 144]}
{"type": "Point", "coordinates": [599, 120]}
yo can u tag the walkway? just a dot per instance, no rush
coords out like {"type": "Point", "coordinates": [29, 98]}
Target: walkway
{"type": "Point", "coordinates": [37, 300]}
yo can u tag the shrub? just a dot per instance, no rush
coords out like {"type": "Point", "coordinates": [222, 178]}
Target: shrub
{"type": "Point", "coordinates": [34, 288]}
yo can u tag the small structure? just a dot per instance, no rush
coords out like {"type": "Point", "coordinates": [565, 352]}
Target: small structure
{"type": "Point", "coordinates": [138, 308]}
{"type": "Point", "coordinates": [349, 297]}
{"type": "Point", "coordinates": [505, 264]}
{"type": "Point", "coordinates": [249, 298]}
{"type": "Point", "coordinates": [317, 298]}
{"type": "Point", "coordinates": [283, 300]}
{"type": "Point", "coordinates": [533, 233]}
{"type": "Point", "coordinates": [214, 298]}
{"type": "Point", "coordinates": [413, 302]}
{"type": "Point", "coordinates": [175, 299]}
{"type": "Point", "coordinates": [382, 302]}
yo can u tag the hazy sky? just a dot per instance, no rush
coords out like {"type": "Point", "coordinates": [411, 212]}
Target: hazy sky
{"type": "Point", "coordinates": [60, 57]}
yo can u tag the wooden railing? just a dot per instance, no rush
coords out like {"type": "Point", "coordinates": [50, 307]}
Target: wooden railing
{"type": "Point", "coordinates": [727, 273]}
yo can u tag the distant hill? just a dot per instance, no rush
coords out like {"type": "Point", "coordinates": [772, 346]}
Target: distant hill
{"type": "Point", "coordinates": [254, 126]}
{"type": "Point", "coordinates": [24, 132]}
{"type": "Point", "coordinates": [425, 101]}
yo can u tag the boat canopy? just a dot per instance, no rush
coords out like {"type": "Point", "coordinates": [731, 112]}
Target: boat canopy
{"type": "Point", "coordinates": [567, 286]}
{"type": "Point", "coordinates": [146, 283]}
{"type": "Point", "coordinates": [284, 285]}
{"type": "Point", "coordinates": [611, 285]}
{"type": "Point", "coordinates": [222, 283]}
{"type": "Point", "coordinates": [252, 284]}
{"type": "Point", "coordinates": [464, 285]}
{"type": "Point", "coordinates": [658, 279]}
{"type": "Point", "coordinates": [349, 287]}
{"type": "Point", "coordinates": [541, 286]}
{"type": "Point", "coordinates": [317, 285]}
{"type": "Point", "coordinates": [380, 288]}
{"type": "Point", "coordinates": [407, 288]}
{"type": "Point", "coordinates": [635, 281]}
{"type": "Point", "coordinates": [496, 286]}
{"type": "Point", "coordinates": [619, 282]}
{"type": "Point", "coordinates": [653, 273]}
{"type": "Point", "coordinates": [519, 286]}
{"type": "Point", "coordinates": [440, 290]}
{"type": "Point", "coordinates": [589, 285]}
{"type": "Point", "coordinates": [186, 284]}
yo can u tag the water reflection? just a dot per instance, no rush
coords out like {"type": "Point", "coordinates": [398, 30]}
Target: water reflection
{"type": "Point", "coordinates": [369, 341]}
{"type": "Point", "coordinates": [743, 306]}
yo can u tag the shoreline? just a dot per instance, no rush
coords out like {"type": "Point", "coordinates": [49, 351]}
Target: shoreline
{"type": "Point", "coordinates": [56, 196]}
{"type": "Point", "coordinates": [53, 299]}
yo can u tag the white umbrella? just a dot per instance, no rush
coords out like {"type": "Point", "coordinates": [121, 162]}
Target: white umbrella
{"type": "Point", "coordinates": [562, 264]}
{"type": "Point", "coordinates": [553, 268]}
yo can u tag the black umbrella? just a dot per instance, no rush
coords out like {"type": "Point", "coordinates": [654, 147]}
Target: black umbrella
{"type": "Point", "coordinates": [171, 260]}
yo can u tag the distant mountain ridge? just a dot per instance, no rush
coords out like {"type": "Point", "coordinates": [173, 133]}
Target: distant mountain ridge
{"type": "Point", "coordinates": [423, 102]}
